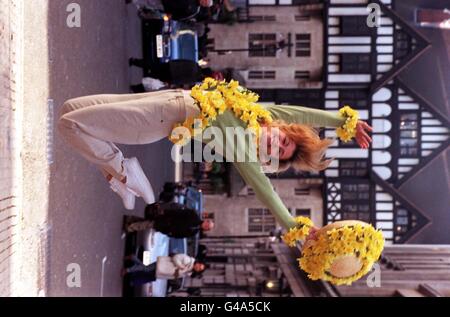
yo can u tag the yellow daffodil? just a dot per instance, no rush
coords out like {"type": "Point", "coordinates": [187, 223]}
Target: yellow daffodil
{"type": "Point", "coordinates": [348, 130]}
{"type": "Point", "coordinates": [214, 98]}
{"type": "Point", "coordinates": [364, 242]}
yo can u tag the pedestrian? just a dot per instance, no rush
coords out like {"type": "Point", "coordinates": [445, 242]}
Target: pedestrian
{"type": "Point", "coordinates": [202, 252]}
{"type": "Point", "coordinates": [93, 124]}
{"type": "Point", "coordinates": [148, 84]}
{"type": "Point", "coordinates": [172, 219]}
{"type": "Point", "coordinates": [146, 4]}
{"type": "Point", "coordinates": [175, 72]}
{"type": "Point", "coordinates": [185, 9]}
{"type": "Point", "coordinates": [166, 267]}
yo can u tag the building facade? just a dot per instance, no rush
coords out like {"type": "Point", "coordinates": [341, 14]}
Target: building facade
{"type": "Point", "coordinates": [245, 266]}
{"type": "Point", "coordinates": [406, 271]}
{"type": "Point", "coordinates": [244, 214]}
{"type": "Point", "coordinates": [279, 48]}
{"type": "Point", "coordinates": [351, 62]}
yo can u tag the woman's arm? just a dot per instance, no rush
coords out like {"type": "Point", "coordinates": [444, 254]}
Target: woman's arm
{"type": "Point", "coordinates": [250, 170]}
{"type": "Point", "coordinates": [183, 262]}
{"type": "Point", "coordinates": [260, 183]}
{"type": "Point", "coordinates": [228, 5]}
{"type": "Point", "coordinates": [321, 118]}
{"type": "Point", "coordinates": [303, 115]}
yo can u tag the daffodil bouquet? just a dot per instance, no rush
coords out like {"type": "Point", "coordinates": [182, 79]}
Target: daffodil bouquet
{"type": "Point", "coordinates": [348, 131]}
{"type": "Point", "coordinates": [340, 253]}
{"type": "Point", "coordinates": [215, 97]}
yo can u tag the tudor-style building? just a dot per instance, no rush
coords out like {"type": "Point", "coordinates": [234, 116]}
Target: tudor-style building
{"type": "Point", "coordinates": [408, 132]}
{"type": "Point", "coordinates": [361, 67]}
{"type": "Point", "coordinates": [245, 266]}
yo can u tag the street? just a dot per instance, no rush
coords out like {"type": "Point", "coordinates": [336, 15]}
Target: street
{"type": "Point", "coordinates": [373, 212]}
{"type": "Point", "coordinates": [85, 216]}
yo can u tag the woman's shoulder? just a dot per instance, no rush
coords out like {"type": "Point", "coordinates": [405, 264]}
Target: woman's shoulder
{"type": "Point", "coordinates": [182, 257]}
{"type": "Point", "coordinates": [228, 118]}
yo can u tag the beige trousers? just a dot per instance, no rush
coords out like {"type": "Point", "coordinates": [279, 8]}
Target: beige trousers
{"type": "Point", "coordinates": [93, 124]}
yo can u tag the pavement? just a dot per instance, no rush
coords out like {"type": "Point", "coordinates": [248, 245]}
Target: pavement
{"type": "Point", "coordinates": [10, 26]}
{"type": "Point", "coordinates": [84, 215]}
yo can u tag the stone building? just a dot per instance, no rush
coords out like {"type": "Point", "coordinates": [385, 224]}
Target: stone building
{"type": "Point", "coordinates": [406, 271]}
{"type": "Point", "coordinates": [281, 48]}
{"type": "Point", "coordinates": [241, 267]}
{"type": "Point", "coordinates": [246, 266]}
{"type": "Point", "coordinates": [386, 72]}
{"type": "Point", "coordinates": [243, 214]}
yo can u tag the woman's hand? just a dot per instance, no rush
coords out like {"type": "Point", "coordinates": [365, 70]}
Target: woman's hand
{"type": "Point", "coordinates": [362, 137]}
{"type": "Point", "coordinates": [312, 234]}
{"type": "Point", "coordinates": [204, 3]}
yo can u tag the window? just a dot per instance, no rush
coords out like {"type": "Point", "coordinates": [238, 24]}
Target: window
{"type": "Point", "coordinates": [211, 44]}
{"type": "Point", "coordinates": [355, 98]}
{"type": "Point", "coordinates": [355, 25]}
{"type": "Point", "coordinates": [262, 45]}
{"type": "Point", "coordinates": [403, 222]}
{"type": "Point", "coordinates": [260, 220]}
{"type": "Point", "coordinates": [353, 168]}
{"type": "Point", "coordinates": [355, 201]}
{"type": "Point", "coordinates": [303, 212]}
{"type": "Point", "coordinates": [303, 75]}
{"type": "Point", "coordinates": [409, 142]}
{"type": "Point", "coordinates": [250, 191]}
{"type": "Point", "coordinates": [302, 17]}
{"type": "Point", "coordinates": [208, 215]}
{"type": "Point", "coordinates": [402, 44]}
{"type": "Point", "coordinates": [259, 18]}
{"type": "Point", "coordinates": [301, 191]}
{"type": "Point", "coordinates": [355, 63]}
{"type": "Point", "coordinates": [262, 2]}
{"type": "Point", "coordinates": [255, 74]}
{"type": "Point", "coordinates": [303, 45]}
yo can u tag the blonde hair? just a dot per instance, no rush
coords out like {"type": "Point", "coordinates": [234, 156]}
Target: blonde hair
{"type": "Point", "coordinates": [310, 150]}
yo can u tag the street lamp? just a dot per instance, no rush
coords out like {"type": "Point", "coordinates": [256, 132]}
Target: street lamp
{"type": "Point", "coordinates": [280, 45]}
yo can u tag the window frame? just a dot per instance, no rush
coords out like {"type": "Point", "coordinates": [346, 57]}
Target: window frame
{"type": "Point", "coordinates": [303, 46]}
{"type": "Point", "coordinates": [264, 49]}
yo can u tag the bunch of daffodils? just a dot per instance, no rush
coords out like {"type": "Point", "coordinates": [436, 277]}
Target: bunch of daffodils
{"type": "Point", "coordinates": [214, 98]}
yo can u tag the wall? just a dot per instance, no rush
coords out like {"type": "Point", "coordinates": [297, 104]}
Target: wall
{"type": "Point", "coordinates": [231, 215]}
{"type": "Point", "coordinates": [236, 37]}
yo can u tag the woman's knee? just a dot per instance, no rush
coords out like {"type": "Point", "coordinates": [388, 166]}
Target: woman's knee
{"type": "Point", "coordinates": [65, 125]}
{"type": "Point", "coordinates": [68, 106]}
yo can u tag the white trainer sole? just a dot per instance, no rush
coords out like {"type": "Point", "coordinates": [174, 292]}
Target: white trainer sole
{"type": "Point", "coordinates": [142, 182]}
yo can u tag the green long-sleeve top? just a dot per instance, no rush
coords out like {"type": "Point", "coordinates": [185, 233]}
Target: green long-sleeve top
{"type": "Point", "coordinates": [251, 172]}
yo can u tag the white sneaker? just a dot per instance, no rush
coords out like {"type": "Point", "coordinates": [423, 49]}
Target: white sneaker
{"type": "Point", "coordinates": [128, 198]}
{"type": "Point", "coordinates": [137, 182]}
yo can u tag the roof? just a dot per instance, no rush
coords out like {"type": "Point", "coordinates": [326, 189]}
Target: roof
{"type": "Point", "coordinates": [421, 45]}
{"type": "Point", "coordinates": [423, 74]}
{"type": "Point", "coordinates": [428, 186]}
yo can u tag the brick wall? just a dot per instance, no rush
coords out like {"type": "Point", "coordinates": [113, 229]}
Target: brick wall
{"type": "Point", "coordinates": [9, 88]}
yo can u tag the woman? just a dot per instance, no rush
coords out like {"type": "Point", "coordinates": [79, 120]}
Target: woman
{"type": "Point", "coordinates": [172, 219]}
{"type": "Point", "coordinates": [92, 125]}
{"type": "Point", "coordinates": [174, 267]}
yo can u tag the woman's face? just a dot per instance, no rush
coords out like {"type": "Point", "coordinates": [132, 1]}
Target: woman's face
{"type": "Point", "coordinates": [275, 138]}
{"type": "Point", "coordinates": [199, 267]}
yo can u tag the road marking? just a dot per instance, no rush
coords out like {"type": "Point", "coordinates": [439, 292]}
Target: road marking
{"type": "Point", "coordinates": [103, 276]}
